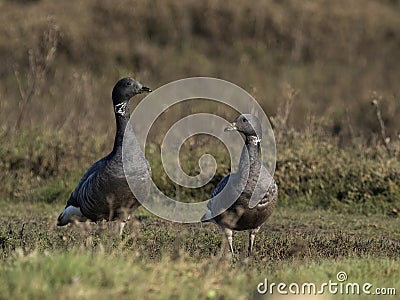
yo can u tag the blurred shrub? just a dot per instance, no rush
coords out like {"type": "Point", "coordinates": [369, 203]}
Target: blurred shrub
{"type": "Point", "coordinates": [312, 171]}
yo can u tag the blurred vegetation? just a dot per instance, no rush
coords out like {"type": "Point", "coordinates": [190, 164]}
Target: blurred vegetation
{"type": "Point", "coordinates": [339, 55]}
{"type": "Point", "coordinates": [325, 59]}
{"type": "Point", "coordinates": [312, 171]}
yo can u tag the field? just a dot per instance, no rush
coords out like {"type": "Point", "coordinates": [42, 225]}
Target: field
{"type": "Point", "coordinates": [325, 72]}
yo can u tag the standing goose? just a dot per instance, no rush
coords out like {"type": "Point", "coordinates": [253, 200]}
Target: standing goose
{"type": "Point", "coordinates": [103, 191]}
{"type": "Point", "coordinates": [252, 186]}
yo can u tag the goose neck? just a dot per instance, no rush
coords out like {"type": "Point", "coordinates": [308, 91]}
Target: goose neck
{"type": "Point", "coordinates": [250, 154]}
{"type": "Point", "coordinates": [122, 116]}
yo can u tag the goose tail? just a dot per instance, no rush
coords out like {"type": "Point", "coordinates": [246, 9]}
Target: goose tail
{"type": "Point", "coordinates": [69, 215]}
{"type": "Point", "coordinates": [207, 217]}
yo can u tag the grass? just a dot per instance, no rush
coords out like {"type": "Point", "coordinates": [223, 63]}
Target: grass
{"type": "Point", "coordinates": [311, 171]}
{"type": "Point", "coordinates": [128, 277]}
{"type": "Point", "coordinates": [155, 259]}
{"type": "Point", "coordinates": [336, 214]}
{"type": "Point", "coordinates": [337, 211]}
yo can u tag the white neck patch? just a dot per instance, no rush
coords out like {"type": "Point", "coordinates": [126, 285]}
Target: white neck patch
{"type": "Point", "coordinates": [254, 140]}
{"type": "Point", "coordinates": [120, 108]}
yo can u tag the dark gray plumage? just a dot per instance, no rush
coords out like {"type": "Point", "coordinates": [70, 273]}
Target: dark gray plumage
{"type": "Point", "coordinates": [255, 195]}
{"type": "Point", "coordinates": [103, 191]}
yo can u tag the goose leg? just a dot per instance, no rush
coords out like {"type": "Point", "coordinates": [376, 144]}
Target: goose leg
{"type": "Point", "coordinates": [122, 225]}
{"type": "Point", "coordinates": [228, 234]}
{"type": "Point", "coordinates": [252, 235]}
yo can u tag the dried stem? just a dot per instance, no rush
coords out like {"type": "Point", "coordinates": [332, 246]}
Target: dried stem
{"type": "Point", "coordinates": [384, 137]}
{"type": "Point", "coordinates": [285, 107]}
{"type": "Point", "coordinates": [39, 62]}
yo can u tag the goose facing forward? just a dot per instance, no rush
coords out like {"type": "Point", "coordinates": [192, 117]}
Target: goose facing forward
{"type": "Point", "coordinates": [256, 192]}
{"type": "Point", "coordinates": [103, 191]}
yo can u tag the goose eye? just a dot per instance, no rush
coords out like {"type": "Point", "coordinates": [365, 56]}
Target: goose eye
{"type": "Point", "coordinates": [244, 120]}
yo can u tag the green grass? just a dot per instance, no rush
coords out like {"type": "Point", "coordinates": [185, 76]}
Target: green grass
{"type": "Point", "coordinates": [156, 259]}
{"type": "Point", "coordinates": [98, 276]}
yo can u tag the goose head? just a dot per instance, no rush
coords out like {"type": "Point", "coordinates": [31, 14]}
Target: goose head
{"type": "Point", "coordinates": [247, 124]}
{"type": "Point", "coordinates": [124, 90]}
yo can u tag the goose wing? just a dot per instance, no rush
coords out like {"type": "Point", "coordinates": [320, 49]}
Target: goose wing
{"type": "Point", "coordinates": [264, 190]}
{"type": "Point", "coordinates": [75, 197]}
